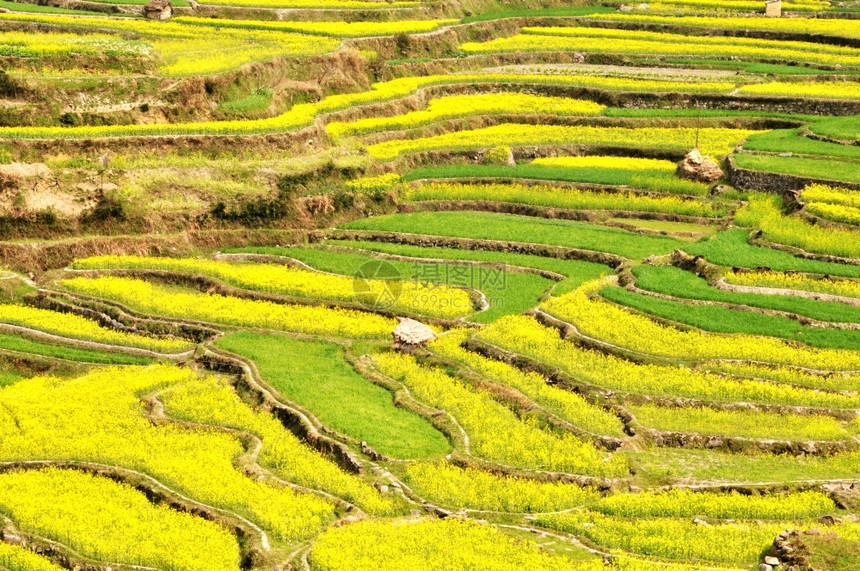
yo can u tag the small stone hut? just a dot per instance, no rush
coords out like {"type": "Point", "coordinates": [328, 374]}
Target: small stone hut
{"type": "Point", "coordinates": [411, 334]}
{"type": "Point", "coordinates": [158, 10]}
{"type": "Point", "coordinates": [773, 8]}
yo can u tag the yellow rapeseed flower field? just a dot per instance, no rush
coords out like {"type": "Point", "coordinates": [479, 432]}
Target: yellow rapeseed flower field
{"type": "Point", "coordinates": [495, 432]}
{"type": "Point", "coordinates": [454, 486]}
{"type": "Point", "coordinates": [331, 29]}
{"type": "Point", "coordinates": [183, 49]}
{"type": "Point", "coordinates": [602, 40]}
{"type": "Point", "coordinates": [316, 4]}
{"type": "Point", "coordinates": [213, 402]}
{"type": "Point", "coordinates": [160, 300]}
{"type": "Point", "coordinates": [77, 327]}
{"type": "Point", "coordinates": [286, 280]}
{"type": "Point", "coordinates": [570, 406]}
{"type": "Point", "coordinates": [817, 89]}
{"type": "Point", "coordinates": [824, 26]}
{"type": "Point", "coordinates": [114, 522]}
{"type": "Point", "coordinates": [17, 558]}
{"type": "Point", "coordinates": [98, 417]}
{"type": "Point", "coordinates": [831, 195]}
{"type": "Point", "coordinates": [418, 545]}
{"type": "Point", "coordinates": [732, 505]}
{"type": "Point", "coordinates": [712, 141]}
{"type": "Point", "coordinates": [466, 105]}
{"type": "Point", "coordinates": [604, 162]}
{"type": "Point", "coordinates": [303, 114]}
{"type": "Point", "coordinates": [844, 287]}
{"type": "Point", "coordinates": [561, 197]}
{"type": "Point", "coordinates": [617, 326]}
{"type": "Point", "coordinates": [525, 336]}
{"type": "Point", "coordinates": [764, 212]}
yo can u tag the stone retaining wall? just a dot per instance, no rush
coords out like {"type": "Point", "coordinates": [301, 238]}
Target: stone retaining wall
{"type": "Point", "coordinates": [747, 179]}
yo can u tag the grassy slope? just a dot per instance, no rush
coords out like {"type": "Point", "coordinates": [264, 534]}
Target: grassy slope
{"type": "Point", "coordinates": [730, 248]}
{"type": "Point", "coordinates": [699, 230]}
{"type": "Point", "coordinates": [753, 67]}
{"type": "Point", "coordinates": [663, 465]}
{"type": "Point", "coordinates": [37, 9]}
{"type": "Point", "coordinates": [832, 553]}
{"type": "Point", "coordinates": [745, 424]}
{"type": "Point", "coordinates": [513, 12]}
{"type": "Point", "coordinates": [647, 112]}
{"type": "Point", "coordinates": [315, 375]}
{"type": "Point", "coordinates": [648, 180]}
{"type": "Point", "coordinates": [577, 271]}
{"type": "Point", "coordinates": [722, 320]}
{"type": "Point", "coordinates": [788, 141]}
{"type": "Point", "coordinates": [828, 169]}
{"type": "Point", "coordinates": [8, 378]}
{"type": "Point", "coordinates": [679, 283]}
{"type": "Point", "coordinates": [486, 226]}
{"type": "Point", "coordinates": [842, 128]}
{"type": "Point", "coordinates": [24, 345]}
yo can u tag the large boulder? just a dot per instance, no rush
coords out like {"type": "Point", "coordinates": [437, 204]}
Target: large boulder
{"type": "Point", "coordinates": [158, 10]}
{"type": "Point", "coordinates": [696, 167]}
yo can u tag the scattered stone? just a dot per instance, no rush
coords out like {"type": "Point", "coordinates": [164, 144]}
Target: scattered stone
{"type": "Point", "coordinates": [765, 567]}
{"type": "Point", "coordinates": [348, 520]}
{"type": "Point", "coordinates": [771, 560]}
{"type": "Point", "coordinates": [13, 539]}
{"type": "Point", "coordinates": [17, 171]}
{"type": "Point", "coordinates": [791, 200]}
{"type": "Point", "coordinates": [715, 442]}
{"type": "Point", "coordinates": [827, 520]}
{"type": "Point", "coordinates": [696, 167]}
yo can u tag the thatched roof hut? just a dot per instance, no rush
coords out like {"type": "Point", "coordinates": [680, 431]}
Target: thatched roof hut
{"type": "Point", "coordinates": [410, 334]}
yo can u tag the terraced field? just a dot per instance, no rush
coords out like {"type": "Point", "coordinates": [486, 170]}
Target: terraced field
{"type": "Point", "coordinates": [414, 285]}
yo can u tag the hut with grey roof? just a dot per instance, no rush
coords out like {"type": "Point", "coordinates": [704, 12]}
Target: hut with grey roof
{"type": "Point", "coordinates": [411, 334]}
